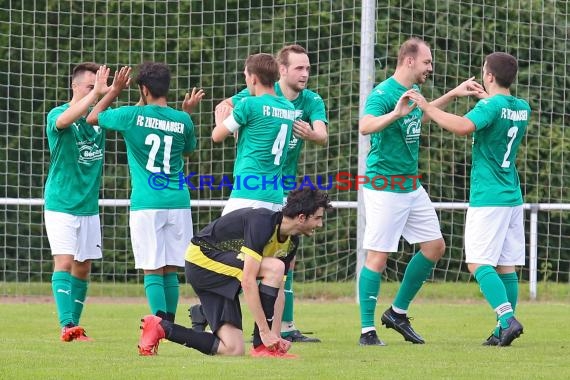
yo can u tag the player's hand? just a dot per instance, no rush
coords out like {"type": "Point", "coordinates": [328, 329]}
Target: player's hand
{"type": "Point", "coordinates": [302, 129]}
{"type": "Point", "coordinates": [419, 100]}
{"type": "Point", "coordinates": [122, 79]}
{"type": "Point", "coordinates": [221, 113]}
{"type": "Point", "coordinates": [270, 340]}
{"type": "Point", "coordinates": [192, 99]}
{"type": "Point", "coordinates": [405, 105]}
{"type": "Point", "coordinates": [470, 88]}
{"type": "Point", "coordinates": [101, 77]}
{"type": "Point", "coordinates": [283, 345]}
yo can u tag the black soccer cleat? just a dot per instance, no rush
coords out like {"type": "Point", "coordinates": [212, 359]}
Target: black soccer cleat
{"type": "Point", "coordinates": [401, 323]}
{"type": "Point", "coordinates": [296, 336]}
{"type": "Point", "coordinates": [491, 341]}
{"type": "Point", "coordinates": [370, 339]}
{"type": "Point", "coordinates": [506, 336]}
{"type": "Point", "coordinates": [198, 318]}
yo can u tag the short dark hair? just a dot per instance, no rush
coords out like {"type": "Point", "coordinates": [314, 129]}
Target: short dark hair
{"type": "Point", "coordinates": [283, 54]}
{"type": "Point", "coordinates": [83, 67]}
{"type": "Point", "coordinates": [504, 68]}
{"type": "Point", "coordinates": [264, 66]}
{"type": "Point", "coordinates": [305, 201]}
{"type": "Point", "coordinates": [410, 48]}
{"type": "Point", "coordinates": [155, 76]}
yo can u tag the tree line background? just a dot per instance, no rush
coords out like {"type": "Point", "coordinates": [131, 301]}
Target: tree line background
{"type": "Point", "coordinates": [206, 43]}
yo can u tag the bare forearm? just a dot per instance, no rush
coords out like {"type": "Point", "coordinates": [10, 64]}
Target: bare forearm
{"type": "Point", "coordinates": [278, 312]}
{"type": "Point", "coordinates": [458, 125]}
{"type": "Point", "coordinates": [103, 104]}
{"type": "Point", "coordinates": [75, 111]}
{"type": "Point", "coordinates": [370, 124]}
{"type": "Point", "coordinates": [253, 301]}
{"type": "Point", "coordinates": [319, 133]}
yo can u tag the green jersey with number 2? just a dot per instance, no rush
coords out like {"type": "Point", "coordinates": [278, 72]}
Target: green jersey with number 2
{"type": "Point", "coordinates": [500, 125]}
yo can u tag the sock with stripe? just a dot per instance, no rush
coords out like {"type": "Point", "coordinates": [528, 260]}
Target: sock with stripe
{"type": "Point", "coordinates": [494, 292]}
{"type": "Point", "coordinates": [417, 272]}
{"type": "Point", "coordinates": [78, 296]}
{"type": "Point", "coordinates": [61, 288]}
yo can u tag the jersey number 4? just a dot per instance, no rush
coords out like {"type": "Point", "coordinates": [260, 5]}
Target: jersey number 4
{"type": "Point", "coordinates": [279, 144]}
{"type": "Point", "coordinates": [512, 133]}
{"type": "Point", "coordinates": [155, 144]}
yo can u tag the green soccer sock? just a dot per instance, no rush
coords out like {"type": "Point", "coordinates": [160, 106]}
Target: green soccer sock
{"type": "Point", "coordinates": [61, 288]}
{"type": "Point", "coordinates": [511, 282]}
{"type": "Point", "coordinates": [494, 292]}
{"type": "Point", "coordinates": [154, 290]}
{"type": "Point", "coordinates": [171, 291]}
{"type": "Point", "coordinates": [289, 298]}
{"type": "Point", "coordinates": [368, 291]}
{"type": "Point", "coordinates": [78, 296]}
{"type": "Point", "coordinates": [417, 272]}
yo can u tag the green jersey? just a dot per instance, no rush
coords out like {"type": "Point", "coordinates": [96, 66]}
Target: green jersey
{"type": "Point", "coordinates": [392, 162]}
{"type": "Point", "coordinates": [156, 137]}
{"type": "Point", "coordinates": [265, 124]}
{"type": "Point", "coordinates": [76, 162]}
{"type": "Point", "coordinates": [500, 125]}
{"type": "Point", "coordinates": [309, 107]}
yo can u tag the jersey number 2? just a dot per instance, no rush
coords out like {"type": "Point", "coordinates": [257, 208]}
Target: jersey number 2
{"type": "Point", "coordinates": [279, 144]}
{"type": "Point", "coordinates": [512, 133]}
{"type": "Point", "coordinates": [154, 142]}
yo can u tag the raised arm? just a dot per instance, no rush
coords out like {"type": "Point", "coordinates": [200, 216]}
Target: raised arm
{"type": "Point", "coordinates": [192, 99]}
{"type": "Point", "coordinates": [225, 123]}
{"type": "Point", "coordinates": [79, 109]}
{"type": "Point", "coordinates": [467, 88]}
{"type": "Point", "coordinates": [120, 82]}
{"type": "Point", "coordinates": [370, 124]}
{"type": "Point", "coordinates": [459, 125]}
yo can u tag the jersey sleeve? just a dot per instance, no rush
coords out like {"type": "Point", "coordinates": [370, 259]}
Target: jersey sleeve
{"type": "Point", "coordinates": [287, 259]}
{"type": "Point", "coordinates": [239, 96]}
{"type": "Point", "coordinates": [240, 113]}
{"type": "Point", "coordinates": [51, 120]}
{"type": "Point", "coordinates": [377, 103]}
{"type": "Point", "coordinates": [117, 119]}
{"type": "Point", "coordinates": [483, 114]}
{"type": "Point", "coordinates": [189, 137]}
{"type": "Point", "coordinates": [317, 111]}
{"type": "Point", "coordinates": [257, 232]}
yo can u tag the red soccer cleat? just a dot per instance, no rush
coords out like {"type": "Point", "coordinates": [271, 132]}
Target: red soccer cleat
{"type": "Point", "coordinates": [264, 352]}
{"type": "Point", "coordinates": [84, 338]}
{"type": "Point", "coordinates": [152, 333]}
{"type": "Point", "coordinates": [69, 333]}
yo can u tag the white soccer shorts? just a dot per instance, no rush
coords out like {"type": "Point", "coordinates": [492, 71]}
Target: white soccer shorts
{"type": "Point", "coordinates": [495, 236]}
{"type": "Point", "coordinates": [392, 215]}
{"type": "Point", "coordinates": [79, 236]}
{"type": "Point", "coordinates": [238, 203]}
{"type": "Point", "coordinates": [160, 237]}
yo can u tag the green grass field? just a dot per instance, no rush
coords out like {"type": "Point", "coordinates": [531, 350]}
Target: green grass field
{"type": "Point", "coordinates": [453, 327]}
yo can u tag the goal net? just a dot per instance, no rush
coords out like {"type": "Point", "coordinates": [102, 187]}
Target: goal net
{"type": "Point", "coordinates": [205, 43]}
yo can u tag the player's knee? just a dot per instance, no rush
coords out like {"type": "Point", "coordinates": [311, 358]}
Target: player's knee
{"type": "Point", "coordinates": [376, 261]}
{"type": "Point", "coordinates": [273, 269]}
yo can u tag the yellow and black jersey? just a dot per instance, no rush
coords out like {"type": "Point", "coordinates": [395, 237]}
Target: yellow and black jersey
{"type": "Point", "coordinates": [247, 231]}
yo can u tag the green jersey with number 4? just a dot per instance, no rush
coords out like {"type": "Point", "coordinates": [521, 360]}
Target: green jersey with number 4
{"type": "Point", "coordinates": [264, 125]}
{"type": "Point", "coordinates": [500, 125]}
{"type": "Point", "coordinates": [309, 107]}
{"type": "Point", "coordinates": [156, 138]}
{"type": "Point", "coordinates": [76, 162]}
